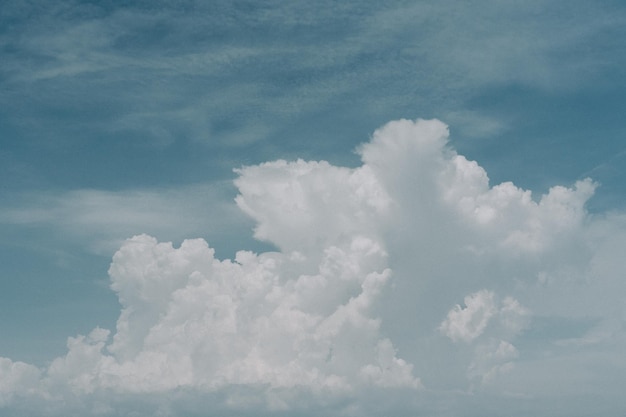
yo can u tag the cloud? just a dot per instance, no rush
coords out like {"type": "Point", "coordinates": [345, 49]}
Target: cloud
{"type": "Point", "coordinates": [355, 313]}
{"type": "Point", "coordinates": [191, 321]}
{"type": "Point", "coordinates": [490, 328]}
{"type": "Point", "coordinates": [475, 125]}
{"type": "Point", "coordinates": [468, 323]}
{"type": "Point", "coordinates": [300, 205]}
{"type": "Point", "coordinates": [18, 379]}
{"type": "Point", "coordinates": [160, 73]}
{"type": "Point", "coordinates": [102, 220]}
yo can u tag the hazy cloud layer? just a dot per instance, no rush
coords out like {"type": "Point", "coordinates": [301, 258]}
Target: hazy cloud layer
{"type": "Point", "coordinates": [408, 284]}
{"type": "Point", "coordinates": [97, 219]}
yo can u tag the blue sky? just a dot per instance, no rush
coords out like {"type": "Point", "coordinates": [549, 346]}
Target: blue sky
{"type": "Point", "coordinates": [119, 118]}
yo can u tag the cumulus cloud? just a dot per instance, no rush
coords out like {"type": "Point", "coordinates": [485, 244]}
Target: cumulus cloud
{"type": "Point", "coordinates": [486, 323]}
{"type": "Point", "coordinates": [468, 323]}
{"type": "Point", "coordinates": [357, 305]}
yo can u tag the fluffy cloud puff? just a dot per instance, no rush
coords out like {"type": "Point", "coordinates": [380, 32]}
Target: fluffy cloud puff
{"type": "Point", "coordinates": [483, 316]}
{"type": "Point", "coordinates": [360, 298]}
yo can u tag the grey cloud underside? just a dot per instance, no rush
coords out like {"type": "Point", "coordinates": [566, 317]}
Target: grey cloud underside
{"type": "Point", "coordinates": [406, 285]}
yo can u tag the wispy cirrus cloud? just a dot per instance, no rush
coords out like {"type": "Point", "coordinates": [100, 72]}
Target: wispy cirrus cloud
{"type": "Point", "coordinates": [158, 60]}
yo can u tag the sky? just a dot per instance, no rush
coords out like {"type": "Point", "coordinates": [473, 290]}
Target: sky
{"type": "Point", "coordinates": [321, 208]}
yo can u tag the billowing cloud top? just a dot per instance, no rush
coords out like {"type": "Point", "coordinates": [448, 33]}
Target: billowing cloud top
{"type": "Point", "coordinates": [398, 286]}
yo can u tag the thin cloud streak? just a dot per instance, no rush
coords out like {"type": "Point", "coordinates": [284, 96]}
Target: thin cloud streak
{"type": "Point", "coordinates": [106, 48]}
{"type": "Point", "coordinates": [101, 220]}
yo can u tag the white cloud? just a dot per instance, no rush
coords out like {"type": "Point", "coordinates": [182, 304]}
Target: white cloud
{"type": "Point", "coordinates": [490, 326]}
{"type": "Point", "coordinates": [474, 124]}
{"type": "Point", "coordinates": [466, 324]}
{"type": "Point", "coordinates": [301, 205]}
{"type": "Point", "coordinates": [355, 306]}
{"type": "Point", "coordinates": [191, 321]}
{"type": "Point", "coordinates": [258, 320]}
{"type": "Point", "coordinates": [102, 220]}
{"type": "Point", "coordinates": [16, 379]}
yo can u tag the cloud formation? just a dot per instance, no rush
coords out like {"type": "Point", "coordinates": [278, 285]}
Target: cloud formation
{"type": "Point", "coordinates": [97, 219]}
{"type": "Point", "coordinates": [361, 303]}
